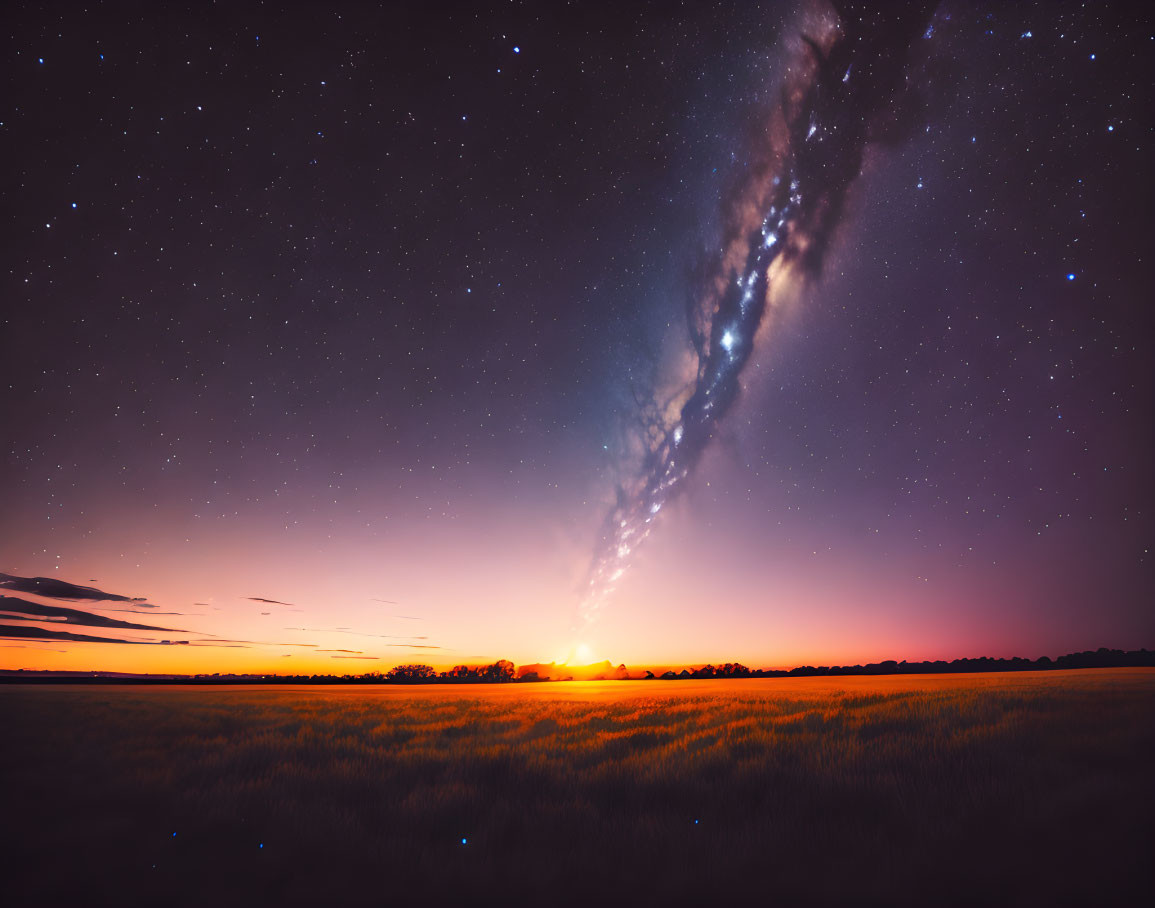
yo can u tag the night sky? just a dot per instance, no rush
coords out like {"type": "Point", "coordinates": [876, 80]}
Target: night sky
{"type": "Point", "coordinates": [340, 333]}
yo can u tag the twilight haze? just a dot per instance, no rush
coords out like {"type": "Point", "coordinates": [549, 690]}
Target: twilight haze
{"type": "Point", "coordinates": [341, 338]}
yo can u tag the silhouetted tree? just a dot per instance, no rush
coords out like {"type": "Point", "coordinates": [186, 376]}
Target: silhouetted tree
{"type": "Point", "coordinates": [500, 672]}
{"type": "Point", "coordinates": [410, 674]}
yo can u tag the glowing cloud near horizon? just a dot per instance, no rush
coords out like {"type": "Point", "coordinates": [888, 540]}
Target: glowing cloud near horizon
{"type": "Point", "coordinates": [779, 225]}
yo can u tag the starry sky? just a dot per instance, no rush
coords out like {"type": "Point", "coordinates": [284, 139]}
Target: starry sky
{"type": "Point", "coordinates": [342, 333]}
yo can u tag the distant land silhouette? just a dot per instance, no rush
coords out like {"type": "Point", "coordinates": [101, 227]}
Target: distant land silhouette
{"type": "Point", "coordinates": [505, 672]}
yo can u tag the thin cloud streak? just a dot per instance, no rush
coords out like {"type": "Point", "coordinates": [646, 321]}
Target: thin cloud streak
{"type": "Point", "coordinates": [345, 630]}
{"type": "Point", "coordinates": [24, 632]}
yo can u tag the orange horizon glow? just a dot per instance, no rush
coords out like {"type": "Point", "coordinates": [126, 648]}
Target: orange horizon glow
{"type": "Point", "coordinates": [691, 599]}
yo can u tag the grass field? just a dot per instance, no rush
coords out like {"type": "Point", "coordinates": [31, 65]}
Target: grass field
{"type": "Point", "coordinates": [1025, 788]}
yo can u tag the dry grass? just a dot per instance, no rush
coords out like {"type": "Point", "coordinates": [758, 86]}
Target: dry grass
{"type": "Point", "coordinates": [1007, 789]}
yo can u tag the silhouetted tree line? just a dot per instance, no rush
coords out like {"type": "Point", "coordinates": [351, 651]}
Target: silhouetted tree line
{"type": "Point", "coordinates": [1100, 658]}
{"type": "Point", "coordinates": [499, 673]}
{"type": "Point", "coordinates": [729, 670]}
{"type": "Point", "coordinates": [503, 671]}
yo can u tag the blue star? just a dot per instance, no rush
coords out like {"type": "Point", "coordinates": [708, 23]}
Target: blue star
{"type": "Point", "coordinates": [1071, 276]}
{"type": "Point", "coordinates": [516, 50]}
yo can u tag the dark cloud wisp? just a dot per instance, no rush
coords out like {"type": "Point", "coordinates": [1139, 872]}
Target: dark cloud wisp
{"type": "Point", "coordinates": [38, 612]}
{"type": "Point", "coordinates": [60, 589]}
